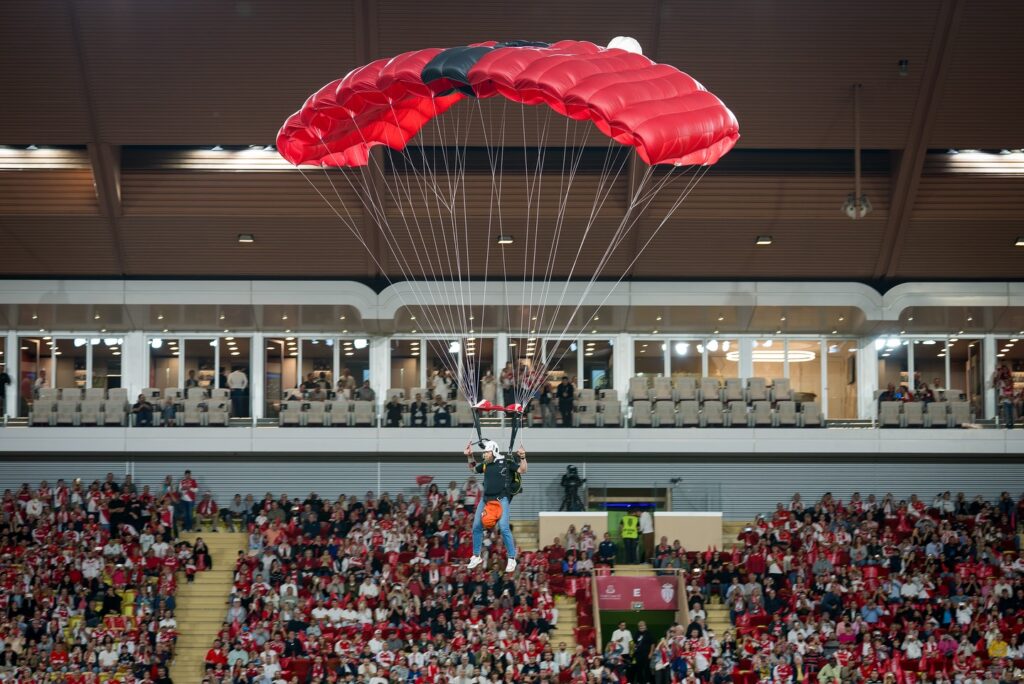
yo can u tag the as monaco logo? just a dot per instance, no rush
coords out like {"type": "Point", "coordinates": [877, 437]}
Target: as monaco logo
{"type": "Point", "coordinates": [667, 592]}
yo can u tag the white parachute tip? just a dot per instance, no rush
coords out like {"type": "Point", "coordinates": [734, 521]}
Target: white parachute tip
{"type": "Point", "coordinates": [626, 43]}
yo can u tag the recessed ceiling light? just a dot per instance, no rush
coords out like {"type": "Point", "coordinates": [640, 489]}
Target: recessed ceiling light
{"type": "Point", "coordinates": [1019, 242]}
{"type": "Point", "coordinates": [35, 316]}
{"type": "Point", "coordinates": [654, 332]}
{"type": "Point", "coordinates": [96, 317]}
{"type": "Point", "coordinates": [271, 348]}
{"type": "Point", "coordinates": [835, 332]}
{"type": "Point", "coordinates": [102, 330]}
{"type": "Point", "coordinates": [716, 332]}
{"type": "Point", "coordinates": [350, 353]}
{"type": "Point", "coordinates": [782, 318]}
{"type": "Point", "coordinates": [287, 330]}
{"type": "Point", "coordinates": [910, 318]}
{"type": "Point", "coordinates": [341, 318]}
{"type": "Point", "coordinates": [289, 339]}
{"type": "Point", "coordinates": [763, 240]}
{"type": "Point", "coordinates": [344, 331]}
{"type": "Point", "coordinates": [597, 318]}
{"type": "Point", "coordinates": [505, 239]}
{"type": "Point", "coordinates": [284, 317]}
{"type": "Point", "coordinates": [222, 317]}
{"type": "Point", "coordinates": [167, 330]}
{"type": "Point", "coordinates": [842, 318]}
{"type": "Point", "coordinates": [593, 331]}
{"type": "Point", "coordinates": [778, 332]}
{"type": "Point", "coordinates": [414, 330]}
{"type": "Point", "coordinates": [999, 356]}
{"type": "Point", "coordinates": [970, 318]}
{"type": "Point", "coordinates": [412, 318]}
{"type": "Point", "coordinates": [246, 238]}
{"type": "Point", "coordinates": [160, 317]}
{"type": "Point", "coordinates": [721, 318]}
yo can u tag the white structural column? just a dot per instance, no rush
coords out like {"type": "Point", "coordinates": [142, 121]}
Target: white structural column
{"type": "Point", "coordinates": [500, 354]}
{"type": "Point", "coordinates": [622, 363]}
{"type": "Point", "coordinates": [257, 376]}
{"type": "Point", "coordinates": [11, 355]}
{"type": "Point", "coordinates": [746, 357]}
{"type": "Point", "coordinates": [867, 378]}
{"type": "Point", "coordinates": [988, 369]}
{"type": "Point", "coordinates": [135, 363]}
{"type": "Point", "coordinates": [380, 367]}
{"type": "Point", "coordinates": [823, 356]}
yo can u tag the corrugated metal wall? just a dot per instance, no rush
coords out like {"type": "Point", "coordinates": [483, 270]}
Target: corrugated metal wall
{"type": "Point", "coordinates": [739, 488]}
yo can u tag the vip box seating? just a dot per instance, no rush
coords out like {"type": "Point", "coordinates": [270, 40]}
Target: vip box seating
{"type": "Point", "coordinates": [683, 402]}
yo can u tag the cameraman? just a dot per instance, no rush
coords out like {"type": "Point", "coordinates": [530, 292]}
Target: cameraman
{"type": "Point", "coordinates": [571, 483]}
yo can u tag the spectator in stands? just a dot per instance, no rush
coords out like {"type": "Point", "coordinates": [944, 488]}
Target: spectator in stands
{"type": "Point", "coordinates": [236, 509]}
{"type": "Point", "coordinates": [5, 380]}
{"type": "Point", "coordinates": [206, 511]}
{"type": "Point", "coordinates": [566, 394]}
{"type": "Point", "coordinates": [547, 405]}
{"type": "Point", "coordinates": [607, 550]}
{"type": "Point", "coordinates": [442, 417]}
{"type": "Point", "coordinates": [647, 534]}
{"type": "Point", "coordinates": [191, 380]}
{"type": "Point", "coordinates": [393, 412]}
{"type": "Point", "coordinates": [238, 383]}
{"type": "Point", "coordinates": [40, 383]}
{"type": "Point", "coordinates": [366, 393]}
{"type": "Point", "coordinates": [418, 411]}
{"type": "Point", "coordinates": [187, 489]}
{"type": "Point", "coordinates": [168, 413]}
{"type": "Point", "coordinates": [142, 410]}
{"type": "Point", "coordinates": [508, 385]}
{"type": "Point", "coordinates": [1002, 382]}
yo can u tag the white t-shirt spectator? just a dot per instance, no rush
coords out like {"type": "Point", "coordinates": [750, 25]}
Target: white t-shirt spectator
{"type": "Point", "coordinates": [107, 658]}
{"type": "Point", "coordinates": [646, 523]}
{"type": "Point", "coordinates": [237, 380]}
{"type": "Point", "coordinates": [160, 549]}
{"type": "Point", "coordinates": [623, 637]}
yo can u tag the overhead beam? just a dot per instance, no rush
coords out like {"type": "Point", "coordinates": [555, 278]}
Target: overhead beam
{"type": "Point", "coordinates": [106, 163]}
{"type": "Point", "coordinates": [366, 49]}
{"type": "Point", "coordinates": [911, 162]}
{"type": "Point", "coordinates": [636, 166]}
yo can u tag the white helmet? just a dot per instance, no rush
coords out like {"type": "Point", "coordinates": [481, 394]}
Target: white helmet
{"type": "Point", "coordinates": [492, 446]}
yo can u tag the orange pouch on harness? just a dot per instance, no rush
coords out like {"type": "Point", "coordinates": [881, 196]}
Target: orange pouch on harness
{"type": "Point", "coordinates": [492, 514]}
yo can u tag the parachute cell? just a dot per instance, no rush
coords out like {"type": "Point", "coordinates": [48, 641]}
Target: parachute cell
{"type": "Point", "coordinates": [665, 114]}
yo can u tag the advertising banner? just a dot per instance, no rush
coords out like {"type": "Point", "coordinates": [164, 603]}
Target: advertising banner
{"type": "Point", "coordinates": [637, 593]}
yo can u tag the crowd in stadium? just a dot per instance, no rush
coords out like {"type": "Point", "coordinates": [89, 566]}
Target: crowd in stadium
{"type": "Point", "coordinates": [375, 589]}
{"type": "Point", "coordinates": [89, 574]}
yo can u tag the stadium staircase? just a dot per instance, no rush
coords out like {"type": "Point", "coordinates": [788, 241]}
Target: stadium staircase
{"type": "Point", "coordinates": [202, 604]}
{"type": "Point", "coordinates": [525, 532]}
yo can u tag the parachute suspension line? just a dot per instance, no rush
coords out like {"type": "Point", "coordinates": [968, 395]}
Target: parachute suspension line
{"type": "Point", "coordinates": [373, 204]}
{"type": "Point", "coordinates": [668, 215]}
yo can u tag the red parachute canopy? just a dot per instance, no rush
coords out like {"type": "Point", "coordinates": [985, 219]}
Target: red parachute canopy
{"type": "Point", "coordinates": [665, 114]}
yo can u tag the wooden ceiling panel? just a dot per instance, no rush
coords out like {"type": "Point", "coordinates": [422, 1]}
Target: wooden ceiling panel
{"type": "Point", "coordinates": [982, 99]}
{"type": "Point", "coordinates": [198, 72]}
{"type": "Point", "coordinates": [43, 96]}
{"type": "Point", "coordinates": [65, 245]}
{"type": "Point", "coordinates": [305, 247]}
{"type": "Point", "coordinates": [192, 193]}
{"type": "Point", "coordinates": [768, 197]}
{"type": "Point", "coordinates": [949, 249]}
{"type": "Point", "coordinates": [802, 249]}
{"type": "Point", "coordinates": [576, 254]}
{"type": "Point", "coordinates": [449, 23]}
{"type": "Point", "coordinates": [787, 71]}
{"type": "Point", "coordinates": [61, 192]}
{"type": "Point", "coordinates": [969, 197]}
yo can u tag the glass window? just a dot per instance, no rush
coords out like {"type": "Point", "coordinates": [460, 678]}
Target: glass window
{"type": "Point", "coordinates": [1010, 352]}
{"type": "Point", "coordinates": [892, 362]}
{"type": "Point", "coordinates": [723, 359]}
{"type": "Point", "coordinates": [234, 359]}
{"type": "Point", "coordinates": [70, 362]}
{"type": "Point", "coordinates": [405, 365]}
{"type": "Point", "coordinates": [685, 358]}
{"type": "Point", "coordinates": [649, 358]}
{"type": "Point", "coordinates": [842, 379]}
{"type": "Point", "coordinates": [767, 358]}
{"type": "Point", "coordinates": [3, 369]}
{"type": "Point", "coordinates": [200, 366]}
{"type": "Point", "coordinates": [164, 359]}
{"type": "Point", "coordinates": [280, 372]}
{"type": "Point", "coordinates": [597, 364]}
{"type": "Point", "coordinates": [561, 361]}
{"type": "Point", "coordinates": [106, 364]}
{"type": "Point", "coordinates": [929, 363]}
{"type": "Point", "coordinates": [34, 369]}
{"type": "Point", "coordinates": [443, 357]}
{"type": "Point", "coordinates": [973, 380]}
{"type": "Point", "coordinates": [477, 360]}
{"type": "Point", "coordinates": [804, 369]}
{"type": "Point", "coordinates": [524, 358]}
{"type": "Point", "coordinates": [354, 357]}
{"type": "Point", "coordinates": [317, 364]}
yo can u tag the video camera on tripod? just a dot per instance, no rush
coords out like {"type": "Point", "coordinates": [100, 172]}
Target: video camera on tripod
{"type": "Point", "coordinates": [571, 483]}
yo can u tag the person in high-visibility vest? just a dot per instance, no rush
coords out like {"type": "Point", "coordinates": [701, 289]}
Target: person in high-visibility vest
{"type": "Point", "coordinates": [629, 527]}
